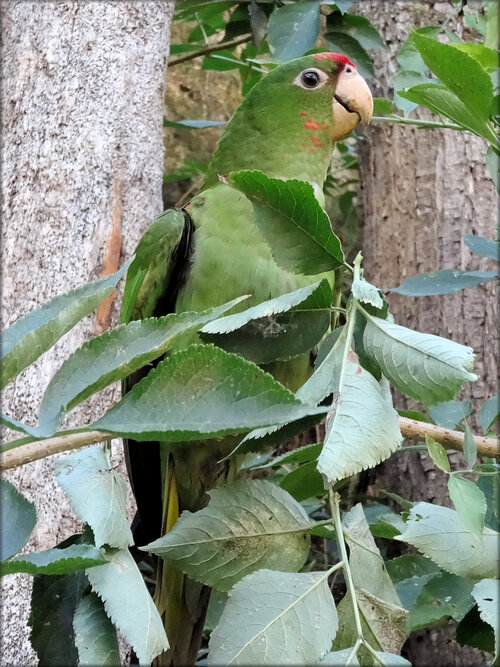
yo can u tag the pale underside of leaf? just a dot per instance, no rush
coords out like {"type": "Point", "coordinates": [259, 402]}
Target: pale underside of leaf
{"type": "Point", "coordinates": [426, 367]}
{"type": "Point", "coordinates": [439, 533]}
{"type": "Point", "coordinates": [129, 605]}
{"type": "Point", "coordinates": [362, 428]}
{"type": "Point", "coordinates": [97, 494]}
{"type": "Point", "coordinates": [275, 618]}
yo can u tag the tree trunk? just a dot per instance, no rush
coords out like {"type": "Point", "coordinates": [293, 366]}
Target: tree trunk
{"type": "Point", "coordinates": [83, 103]}
{"type": "Point", "coordinates": [422, 191]}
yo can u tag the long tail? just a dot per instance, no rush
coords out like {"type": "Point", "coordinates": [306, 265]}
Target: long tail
{"type": "Point", "coordinates": [182, 603]}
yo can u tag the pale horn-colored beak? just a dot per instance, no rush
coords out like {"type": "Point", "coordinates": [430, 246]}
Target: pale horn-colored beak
{"type": "Point", "coordinates": [353, 103]}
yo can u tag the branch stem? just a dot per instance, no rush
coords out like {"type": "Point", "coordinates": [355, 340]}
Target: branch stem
{"type": "Point", "coordinates": [431, 124]}
{"type": "Point", "coordinates": [410, 428]}
{"type": "Point", "coordinates": [335, 510]}
{"type": "Point", "coordinates": [210, 48]}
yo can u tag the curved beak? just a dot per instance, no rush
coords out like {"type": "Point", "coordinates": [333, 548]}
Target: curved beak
{"type": "Point", "coordinates": [352, 104]}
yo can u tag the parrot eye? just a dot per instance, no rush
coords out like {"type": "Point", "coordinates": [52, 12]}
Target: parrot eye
{"type": "Point", "coordinates": [311, 78]}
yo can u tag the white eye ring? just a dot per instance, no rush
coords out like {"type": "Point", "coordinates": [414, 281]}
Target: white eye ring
{"type": "Point", "coordinates": [322, 79]}
{"type": "Point", "coordinates": [349, 69]}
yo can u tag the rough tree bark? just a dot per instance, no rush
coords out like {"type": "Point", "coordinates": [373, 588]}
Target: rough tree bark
{"type": "Point", "coordinates": [423, 190]}
{"type": "Point", "coordinates": [83, 103]}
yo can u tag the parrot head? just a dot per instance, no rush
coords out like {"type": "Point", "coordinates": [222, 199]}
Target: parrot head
{"type": "Point", "coordinates": [288, 122]}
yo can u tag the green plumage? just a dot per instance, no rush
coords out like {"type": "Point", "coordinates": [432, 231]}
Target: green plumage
{"type": "Point", "coordinates": [210, 256]}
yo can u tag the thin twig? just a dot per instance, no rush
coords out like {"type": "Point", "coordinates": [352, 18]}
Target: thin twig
{"type": "Point", "coordinates": [210, 48]}
{"type": "Point", "coordinates": [411, 428]}
{"type": "Point", "coordinates": [431, 124]}
{"type": "Point", "coordinates": [40, 449]}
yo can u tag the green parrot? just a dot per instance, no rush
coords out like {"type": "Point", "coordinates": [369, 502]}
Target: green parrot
{"type": "Point", "coordinates": [211, 253]}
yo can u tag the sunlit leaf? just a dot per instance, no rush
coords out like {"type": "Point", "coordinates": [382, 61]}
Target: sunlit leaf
{"type": "Point", "coordinates": [33, 334]}
{"type": "Point", "coordinates": [129, 605]}
{"type": "Point", "coordinates": [447, 281]}
{"type": "Point", "coordinates": [440, 534]}
{"type": "Point", "coordinates": [275, 618]}
{"type": "Point", "coordinates": [18, 519]}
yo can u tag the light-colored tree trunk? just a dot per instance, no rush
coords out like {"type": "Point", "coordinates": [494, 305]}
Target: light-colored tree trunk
{"type": "Point", "coordinates": [83, 98]}
{"type": "Point", "coordinates": [422, 191]}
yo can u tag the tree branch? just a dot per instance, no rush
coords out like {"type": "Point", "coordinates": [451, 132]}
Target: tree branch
{"type": "Point", "coordinates": [411, 428]}
{"type": "Point", "coordinates": [13, 458]}
{"type": "Point", "coordinates": [210, 48]}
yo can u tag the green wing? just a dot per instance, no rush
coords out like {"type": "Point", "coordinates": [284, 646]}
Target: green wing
{"type": "Point", "coordinates": [158, 270]}
{"type": "Point", "coordinates": [160, 263]}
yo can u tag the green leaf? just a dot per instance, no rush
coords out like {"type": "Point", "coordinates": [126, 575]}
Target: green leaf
{"type": "Point", "coordinates": [408, 57]}
{"type": "Point", "coordinates": [202, 392]}
{"type": "Point", "coordinates": [383, 624]}
{"type": "Point", "coordinates": [492, 162]}
{"type": "Point", "coordinates": [488, 58]}
{"type": "Point", "coordinates": [280, 328]}
{"type": "Point", "coordinates": [442, 101]}
{"type": "Point", "coordinates": [492, 26]}
{"type": "Point", "coordinates": [475, 21]}
{"type": "Point", "coordinates": [482, 246]}
{"type": "Point", "coordinates": [469, 447]}
{"type": "Point", "coordinates": [364, 557]}
{"type": "Point", "coordinates": [15, 425]}
{"type": "Point", "coordinates": [55, 561]}
{"type": "Point", "coordinates": [95, 635]}
{"type": "Point", "coordinates": [336, 658]}
{"type": "Point", "coordinates": [437, 453]}
{"type": "Point", "coordinates": [406, 79]}
{"type": "Point", "coordinates": [450, 413]}
{"type": "Point", "coordinates": [473, 631]}
{"type": "Point", "coordinates": [410, 573]}
{"type": "Point", "coordinates": [222, 61]}
{"type": "Point", "coordinates": [263, 438]}
{"type": "Point", "coordinates": [192, 124]}
{"type": "Point", "coordinates": [381, 105]}
{"type": "Point", "coordinates": [214, 611]}
{"type": "Point", "coordinates": [440, 534]}
{"type": "Point", "coordinates": [490, 486]}
{"type": "Point", "coordinates": [17, 518]}
{"type": "Point", "coordinates": [342, 5]}
{"type": "Point", "coordinates": [357, 27]}
{"type": "Point", "coordinates": [469, 502]}
{"type": "Point", "coordinates": [33, 334]}
{"type": "Point", "coordinates": [303, 454]}
{"type": "Point", "coordinates": [490, 412]}
{"type": "Point", "coordinates": [293, 223]}
{"type": "Point", "coordinates": [97, 494]}
{"type": "Point", "coordinates": [487, 595]}
{"type": "Point", "coordinates": [447, 281]}
{"type": "Point", "coordinates": [443, 596]}
{"type": "Point", "coordinates": [324, 381]}
{"type": "Point", "coordinates": [148, 272]}
{"type": "Point", "coordinates": [113, 356]}
{"type": "Point", "coordinates": [428, 368]}
{"type": "Point", "coordinates": [304, 482]}
{"type": "Point", "coordinates": [129, 605]}
{"type": "Point", "coordinates": [247, 526]}
{"type": "Point", "coordinates": [366, 293]}
{"type": "Point", "coordinates": [349, 46]}
{"type": "Point", "coordinates": [408, 566]}
{"type": "Point", "coordinates": [275, 618]}
{"type": "Point", "coordinates": [462, 74]}
{"type": "Point", "coordinates": [293, 29]}
{"type": "Point", "coordinates": [362, 428]}
{"type": "Point", "coordinates": [53, 603]}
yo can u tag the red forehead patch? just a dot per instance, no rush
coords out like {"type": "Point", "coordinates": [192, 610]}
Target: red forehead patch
{"type": "Point", "coordinates": [339, 58]}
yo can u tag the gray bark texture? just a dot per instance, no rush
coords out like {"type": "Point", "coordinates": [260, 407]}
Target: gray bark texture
{"type": "Point", "coordinates": [422, 191]}
{"type": "Point", "coordinates": [83, 105]}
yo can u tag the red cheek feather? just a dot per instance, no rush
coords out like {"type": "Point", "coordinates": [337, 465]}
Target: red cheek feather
{"type": "Point", "coordinates": [303, 113]}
